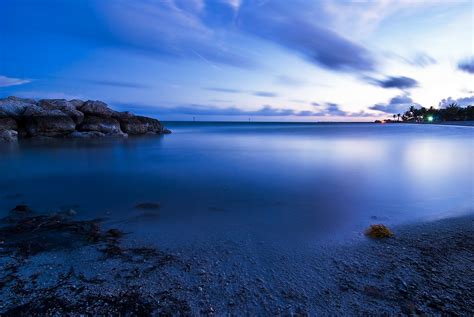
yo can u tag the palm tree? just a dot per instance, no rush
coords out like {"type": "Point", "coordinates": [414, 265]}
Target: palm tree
{"type": "Point", "coordinates": [394, 116]}
{"type": "Point", "coordinates": [399, 115]}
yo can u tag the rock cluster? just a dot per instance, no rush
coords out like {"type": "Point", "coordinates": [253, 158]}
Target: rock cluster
{"type": "Point", "coordinates": [24, 118]}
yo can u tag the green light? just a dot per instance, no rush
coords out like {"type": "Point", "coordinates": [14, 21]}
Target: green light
{"type": "Point", "coordinates": [430, 118]}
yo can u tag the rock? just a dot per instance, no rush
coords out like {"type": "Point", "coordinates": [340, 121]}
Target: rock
{"type": "Point", "coordinates": [147, 206]}
{"type": "Point", "coordinates": [15, 107]}
{"type": "Point", "coordinates": [133, 126]}
{"type": "Point", "coordinates": [153, 125]}
{"type": "Point", "coordinates": [86, 134]}
{"type": "Point", "coordinates": [97, 109]}
{"type": "Point", "coordinates": [48, 123]}
{"type": "Point", "coordinates": [22, 209]}
{"type": "Point", "coordinates": [64, 106]}
{"type": "Point", "coordinates": [138, 125]}
{"type": "Point", "coordinates": [8, 124]}
{"type": "Point", "coordinates": [378, 232]}
{"type": "Point", "coordinates": [76, 103]}
{"type": "Point", "coordinates": [114, 233]}
{"type": "Point", "coordinates": [101, 124]}
{"type": "Point", "coordinates": [8, 136]}
{"type": "Point", "coordinates": [49, 118]}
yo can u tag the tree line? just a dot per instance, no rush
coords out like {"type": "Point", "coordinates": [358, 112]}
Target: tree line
{"type": "Point", "coordinates": [453, 112]}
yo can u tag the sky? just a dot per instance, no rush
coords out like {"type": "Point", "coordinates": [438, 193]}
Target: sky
{"type": "Point", "coordinates": [234, 60]}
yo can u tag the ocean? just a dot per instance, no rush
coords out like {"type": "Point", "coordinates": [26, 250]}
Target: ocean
{"type": "Point", "coordinates": [259, 180]}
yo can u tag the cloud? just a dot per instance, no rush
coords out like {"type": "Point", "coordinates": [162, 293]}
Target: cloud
{"type": "Point", "coordinates": [401, 82]}
{"type": "Point", "coordinates": [329, 110]}
{"type": "Point", "coordinates": [268, 94]}
{"type": "Point", "coordinates": [398, 104]}
{"type": "Point", "coordinates": [422, 60]}
{"type": "Point", "coordinates": [334, 110]}
{"type": "Point", "coordinates": [463, 102]}
{"type": "Point", "coordinates": [115, 83]}
{"type": "Point", "coordinates": [158, 29]}
{"type": "Point", "coordinates": [10, 81]}
{"type": "Point", "coordinates": [225, 90]}
{"type": "Point", "coordinates": [289, 81]}
{"type": "Point", "coordinates": [467, 65]}
{"type": "Point", "coordinates": [283, 23]}
{"type": "Point", "coordinates": [265, 94]}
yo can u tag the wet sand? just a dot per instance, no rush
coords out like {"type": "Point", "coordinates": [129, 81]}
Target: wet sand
{"type": "Point", "coordinates": [58, 265]}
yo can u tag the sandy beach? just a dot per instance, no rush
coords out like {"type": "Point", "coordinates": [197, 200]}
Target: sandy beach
{"type": "Point", "coordinates": [56, 265]}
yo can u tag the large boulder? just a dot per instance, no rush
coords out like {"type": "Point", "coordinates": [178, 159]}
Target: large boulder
{"type": "Point", "coordinates": [97, 109]}
{"type": "Point", "coordinates": [100, 124]}
{"type": "Point", "coordinates": [133, 126]}
{"type": "Point", "coordinates": [15, 107]}
{"type": "Point", "coordinates": [153, 125]}
{"type": "Point", "coordinates": [48, 123]}
{"type": "Point", "coordinates": [8, 136]}
{"type": "Point", "coordinates": [63, 105]}
{"type": "Point", "coordinates": [137, 125]}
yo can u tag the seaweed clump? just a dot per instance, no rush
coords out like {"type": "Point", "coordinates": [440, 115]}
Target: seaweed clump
{"type": "Point", "coordinates": [378, 231]}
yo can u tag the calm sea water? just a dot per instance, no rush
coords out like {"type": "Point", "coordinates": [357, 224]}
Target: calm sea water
{"type": "Point", "coordinates": [220, 179]}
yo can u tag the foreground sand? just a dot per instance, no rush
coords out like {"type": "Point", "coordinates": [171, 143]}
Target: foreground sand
{"type": "Point", "coordinates": [60, 265]}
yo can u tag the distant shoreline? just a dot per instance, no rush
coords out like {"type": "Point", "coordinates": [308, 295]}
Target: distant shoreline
{"type": "Point", "coordinates": [450, 123]}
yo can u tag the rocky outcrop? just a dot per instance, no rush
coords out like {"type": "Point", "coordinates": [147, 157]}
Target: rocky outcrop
{"type": "Point", "coordinates": [21, 117]}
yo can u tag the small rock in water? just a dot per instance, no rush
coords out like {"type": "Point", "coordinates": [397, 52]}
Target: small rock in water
{"type": "Point", "coordinates": [378, 232]}
{"type": "Point", "coordinates": [21, 209]}
{"type": "Point", "coordinates": [114, 233]}
{"type": "Point", "coordinates": [147, 206]}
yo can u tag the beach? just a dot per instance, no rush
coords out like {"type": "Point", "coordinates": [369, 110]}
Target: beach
{"type": "Point", "coordinates": [425, 268]}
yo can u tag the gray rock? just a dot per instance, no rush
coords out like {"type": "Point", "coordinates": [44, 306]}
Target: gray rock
{"type": "Point", "coordinates": [8, 136]}
{"type": "Point", "coordinates": [133, 126]}
{"type": "Point", "coordinates": [15, 107]}
{"type": "Point", "coordinates": [7, 123]}
{"type": "Point", "coordinates": [86, 134]}
{"type": "Point", "coordinates": [64, 106]}
{"type": "Point", "coordinates": [153, 125]}
{"type": "Point", "coordinates": [101, 124]}
{"type": "Point", "coordinates": [77, 103]}
{"type": "Point", "coordinates": [97, 108]}
{"type": "Point", "coordinates": [48, 123]}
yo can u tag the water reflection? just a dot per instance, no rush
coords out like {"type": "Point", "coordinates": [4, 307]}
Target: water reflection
{"type": "Point", "coordinates": [215, 179]}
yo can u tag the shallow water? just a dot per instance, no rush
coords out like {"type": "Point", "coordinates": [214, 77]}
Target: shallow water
{"type": "Point", "coordinates": [221, 180]}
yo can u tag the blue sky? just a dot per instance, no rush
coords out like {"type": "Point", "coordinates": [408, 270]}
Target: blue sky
{"type": "Point", "coordinates": [269, 60]}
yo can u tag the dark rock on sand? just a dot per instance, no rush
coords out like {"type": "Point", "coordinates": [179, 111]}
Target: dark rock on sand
{"type": "Point", "coordinates": [21, 209]}
{"type": "Point", "coordinates": [147, 206]}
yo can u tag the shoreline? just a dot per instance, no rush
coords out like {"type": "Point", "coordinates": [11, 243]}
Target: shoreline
{"type": "Point", "coordinates": [424, 269]}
